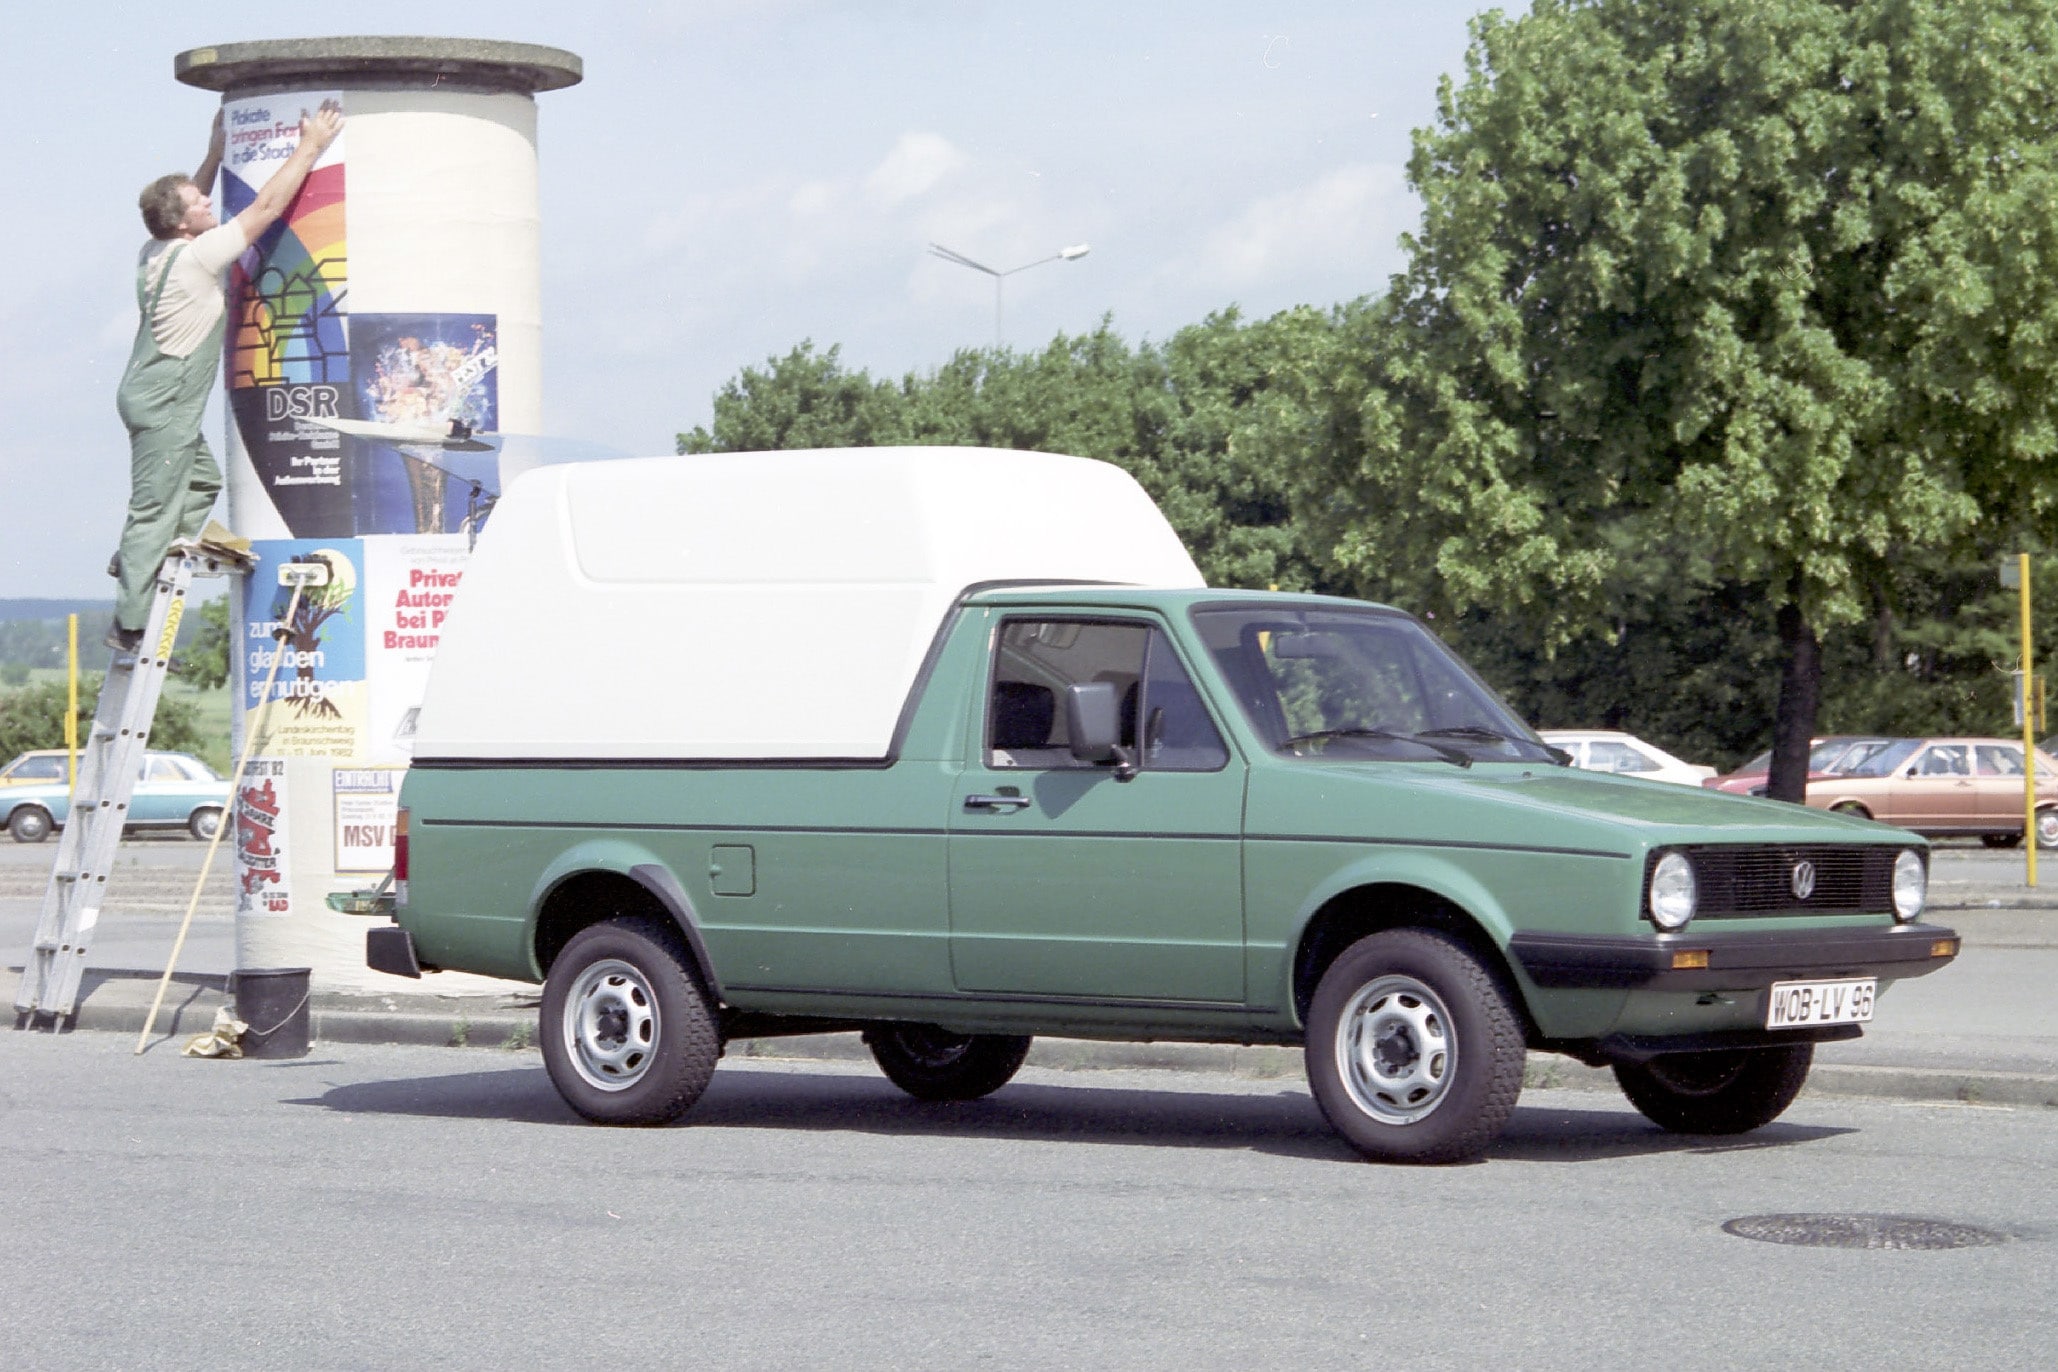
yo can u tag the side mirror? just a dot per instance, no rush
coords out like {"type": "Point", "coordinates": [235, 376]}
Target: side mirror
{"type": "Point", "coordinates": [1093, 722]}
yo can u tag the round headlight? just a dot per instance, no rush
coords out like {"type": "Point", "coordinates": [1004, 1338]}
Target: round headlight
{"type": "Point", "coordinates": [1672, 892]}
{"type": "Point", "coordinates": [1911, 885]}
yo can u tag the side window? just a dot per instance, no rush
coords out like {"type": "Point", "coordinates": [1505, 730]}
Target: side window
{"type": "Point", "coordinates": [39, 769]}
{"type": "Point", "coordinates": [1610, 756]}
{"type": "Point", "coordinates": [163, 769]}
{"type": "Point", "coordinates": [1996, 761]}
{"type": "Point", "coordinates": [1945, 761]}
{"type": "Point", "coordinates": [1035, 660]}
{"type": "Point", "coordinates": [1178, 736]}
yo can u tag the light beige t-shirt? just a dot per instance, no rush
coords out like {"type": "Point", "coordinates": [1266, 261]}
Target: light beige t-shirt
{"type": "Point", "coordinates": [195, 297]}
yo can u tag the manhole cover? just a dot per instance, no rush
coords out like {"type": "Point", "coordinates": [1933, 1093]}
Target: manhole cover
{"type": "Point", "coordinates": [1861, 1231]}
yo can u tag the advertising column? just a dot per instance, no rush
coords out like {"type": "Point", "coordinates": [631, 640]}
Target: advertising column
{"type": "Point", "coordinates": [400, 289]}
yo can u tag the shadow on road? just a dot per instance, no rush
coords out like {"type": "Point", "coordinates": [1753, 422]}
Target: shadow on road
{"type": "Point", "coordinates": [1286, 1123]}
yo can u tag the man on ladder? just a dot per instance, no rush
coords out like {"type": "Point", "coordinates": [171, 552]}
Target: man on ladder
{"type": "Point", "coordinates": [182, 299]}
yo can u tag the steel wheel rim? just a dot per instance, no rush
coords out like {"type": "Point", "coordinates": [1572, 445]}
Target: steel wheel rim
{"type": "Point", "coordinates": [931, 1046]}
{"type": "Point", "coordinates": [1396, 1050]}
{"type": "Point", "coordinates": [2047, 828]}
{"type": "Point", "coordinates": [611, 1025]}
{"type": "Point", "coordinates": [205, 823]}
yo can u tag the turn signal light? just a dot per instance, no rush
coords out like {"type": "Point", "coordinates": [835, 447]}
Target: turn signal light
{"type": "Point", "coordinates": [1944, 948]}
{"type": "Point", "coordinates": [1687, 959]}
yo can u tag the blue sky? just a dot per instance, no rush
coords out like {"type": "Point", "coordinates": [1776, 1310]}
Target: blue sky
{"type": "Point", "coordinates": [732, 178]}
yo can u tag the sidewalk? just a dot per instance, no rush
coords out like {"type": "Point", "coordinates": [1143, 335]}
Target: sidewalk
{"type": "Point", "coordinates": [1984, 1030]}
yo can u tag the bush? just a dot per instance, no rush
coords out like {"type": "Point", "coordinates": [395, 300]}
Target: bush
{"type": "Point", "coordinates": [34, 718]}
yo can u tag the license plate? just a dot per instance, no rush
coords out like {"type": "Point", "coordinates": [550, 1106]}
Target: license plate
{"type": "Point", "coordinates": [1797, 1004]}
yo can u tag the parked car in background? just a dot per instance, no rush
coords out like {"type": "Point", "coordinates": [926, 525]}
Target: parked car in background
{"type": "Point", "coordinates": [1609, 750]}
{"type": "Point", "coordinates": [40, 764]}
{"type": "Point", "coordinates": [173, 791]}
{"type": "Point", "coordinates": [1835, 753]}
{"type": "Point", "coordinates": [1946, 786]}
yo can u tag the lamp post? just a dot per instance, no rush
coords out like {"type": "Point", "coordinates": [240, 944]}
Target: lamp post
{"type": "Point", "coordinates": [1071, 254]}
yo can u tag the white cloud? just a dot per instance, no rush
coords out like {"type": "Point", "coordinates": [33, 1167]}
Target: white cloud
{"type": "Point", "coordinates": [1350, 213]}
{"type": "Point", "coordinates": [918, 162]}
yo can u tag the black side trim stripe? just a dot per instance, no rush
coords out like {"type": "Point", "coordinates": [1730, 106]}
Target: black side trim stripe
{"type": "Point", "coordinates": [1009, 833]}
{"type": "Point", "coordinates": [1436, 843]}
{"type": "Point", "coordinates": [1007, 998]}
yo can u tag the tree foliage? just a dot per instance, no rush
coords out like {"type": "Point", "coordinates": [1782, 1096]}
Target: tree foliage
{"type": "Point", "coordinates": [1177, 416]}
{"type": "Point", "coordinates": [34, 718]}
{"type": "Point", "coordinates": [1733, 294]}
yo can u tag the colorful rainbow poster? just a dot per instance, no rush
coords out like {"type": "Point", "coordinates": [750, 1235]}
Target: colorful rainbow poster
{"type": "Point", "coordinates": [287, 352]}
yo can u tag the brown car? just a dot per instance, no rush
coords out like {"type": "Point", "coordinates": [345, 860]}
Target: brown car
{"type": "Point", "coordinates": [1944, 786]}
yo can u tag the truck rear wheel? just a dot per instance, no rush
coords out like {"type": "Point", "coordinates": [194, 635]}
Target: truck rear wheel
{"type": "Point", "coordinates": [929, 1062]}
{"type": "Point", "coordinates": [1729, 1092]}
{"type": "Point", "coordinates": [1414, 1051]}
{"type": "Point", "coordinates": [629, 1036]}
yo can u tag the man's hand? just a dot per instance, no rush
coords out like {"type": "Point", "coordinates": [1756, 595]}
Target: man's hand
{"type": "Point", "coordinates": [321, 127]}
{"type": "Point", "coordinates": [203, 175]}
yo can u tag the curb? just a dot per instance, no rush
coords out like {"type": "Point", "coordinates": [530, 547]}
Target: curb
{"type": "Point", "coordinates": [497, 1024]}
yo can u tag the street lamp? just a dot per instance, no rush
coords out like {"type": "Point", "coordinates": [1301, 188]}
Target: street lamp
{"type": "Point", "coordinates": [1071, 254]}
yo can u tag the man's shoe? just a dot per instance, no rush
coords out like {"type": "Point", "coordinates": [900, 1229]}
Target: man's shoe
{"type": "Point", "coordinates": [114, 566]}
{"type": "Point", "coordinates": [123, 640]}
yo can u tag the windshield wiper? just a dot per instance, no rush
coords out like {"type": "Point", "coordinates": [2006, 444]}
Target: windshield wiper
{"type": "Point", "coordinates": [1447, 753]}
{"type": "Point", "coordinates": [1557, 755]}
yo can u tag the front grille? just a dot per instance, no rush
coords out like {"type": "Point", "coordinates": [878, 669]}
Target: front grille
{"type": "Point", "coordinates": [1757, 879]}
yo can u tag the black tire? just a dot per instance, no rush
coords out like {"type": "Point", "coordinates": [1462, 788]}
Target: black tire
{"type": "Point", "coordinates": [30, 824]}
{"type": "Point", "coordinates": [1729, 1092]}
{"type": "Point", "coordinates": [2001, 840]}
{"type": "Point", "coordinates": [629, 1034]}
{"type": "Point", "coordinates": [204, 822]}
{"type": "Point", "coordinates": [930, 1062]}
{"type": "Point", "coordinates": [1414, 1050]}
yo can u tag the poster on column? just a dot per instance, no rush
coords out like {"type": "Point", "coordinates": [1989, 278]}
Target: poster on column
{"type": "Point", "coordinates": [425, 370]}
{"type": "Point", "coordinates": [319, 692]}
{"type": "Point", "coordinates": [367, 807]}
{"type": "Point", "coordinates": [287, 356]}
{"type": "Point", "coordinates": [262, 884]}
{"type": "Point", "coordinates": [408, 586]}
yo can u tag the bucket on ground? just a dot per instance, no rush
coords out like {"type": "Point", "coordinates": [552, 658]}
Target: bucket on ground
{"type": "Point", "coordinates": [273, 1002]}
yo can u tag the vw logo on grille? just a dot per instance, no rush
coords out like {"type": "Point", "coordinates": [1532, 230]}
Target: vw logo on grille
{"type": "Point", "coordinates": [1803, 880]}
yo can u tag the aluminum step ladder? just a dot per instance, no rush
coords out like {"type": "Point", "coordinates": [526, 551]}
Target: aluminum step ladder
{"type": "Point", "coordinates": [109, 766]}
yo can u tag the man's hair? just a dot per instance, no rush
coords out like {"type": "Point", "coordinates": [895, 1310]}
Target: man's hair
{"type": "Point", "coordinates": [162, 205]}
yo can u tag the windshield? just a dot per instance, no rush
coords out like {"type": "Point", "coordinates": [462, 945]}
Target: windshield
{"type": "Point", "coordinates": [1359, 683]}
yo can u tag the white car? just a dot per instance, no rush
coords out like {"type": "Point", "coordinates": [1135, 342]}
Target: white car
{"type": "Point", "coordinates": [1606, 750]}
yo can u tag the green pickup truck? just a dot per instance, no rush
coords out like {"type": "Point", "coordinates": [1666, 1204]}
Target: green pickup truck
{"type": "Point", "coordinates": [965, 752]}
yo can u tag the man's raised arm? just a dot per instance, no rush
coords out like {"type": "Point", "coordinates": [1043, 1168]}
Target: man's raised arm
{"type": "Point", "coordinates": [317, 131]}
{"type": "Point", "coordinates": [203, 176]}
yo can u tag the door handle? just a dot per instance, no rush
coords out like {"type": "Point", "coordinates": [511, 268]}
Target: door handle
{"type": "Point", "coordinates": [996, 802]}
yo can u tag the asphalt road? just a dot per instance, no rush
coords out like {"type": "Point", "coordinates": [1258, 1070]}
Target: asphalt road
{"type": "Point", "coordinates": [375, 1207]}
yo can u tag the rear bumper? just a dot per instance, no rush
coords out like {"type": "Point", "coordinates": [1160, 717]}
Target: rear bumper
{"type": "Point", "coordinates": [1736, 961]}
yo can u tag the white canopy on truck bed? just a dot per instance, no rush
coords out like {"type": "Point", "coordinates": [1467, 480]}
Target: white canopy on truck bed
{"type": "Point", "coordinates": [754, 605]}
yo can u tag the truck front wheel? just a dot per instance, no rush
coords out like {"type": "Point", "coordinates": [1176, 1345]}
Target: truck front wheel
{"type": "Point", "coordinates": [1729, 1092]}
{"type": "Point", "coordinates": [629, 1036]}
{"type": "Point", "coordinates": [1414, 1052]}
{"type": "Point", "coordinates": [931, 1063]}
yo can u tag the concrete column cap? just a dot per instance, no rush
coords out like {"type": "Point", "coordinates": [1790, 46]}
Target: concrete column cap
{"type": "Point", "coordinates": [425, 62]}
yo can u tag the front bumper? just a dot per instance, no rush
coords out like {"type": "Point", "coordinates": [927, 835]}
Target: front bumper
{"type": "Point", "coordinates": [1735, 961]}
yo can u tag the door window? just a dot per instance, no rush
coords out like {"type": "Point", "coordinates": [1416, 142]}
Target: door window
{"type": "Point", "coordinates": [1997, 761]}
{"type": "Point", "coordinates": [1945, 760]}
{"type": "Point", "coordinates": [1037, 659]}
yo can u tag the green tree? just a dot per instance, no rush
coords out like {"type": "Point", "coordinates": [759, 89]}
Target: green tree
{"type": "Point", "coordinates": [1178, 416]}
{"type": "Point", "coordinates": [206, 654]}
{"type": "Point", "coordinates": [34, 718]}
{"type": "Point", "coordinates": [1750, 293]}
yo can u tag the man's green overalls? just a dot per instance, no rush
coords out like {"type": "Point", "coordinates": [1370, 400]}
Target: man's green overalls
{"type": "Point", "coordinates": [173, 476]}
